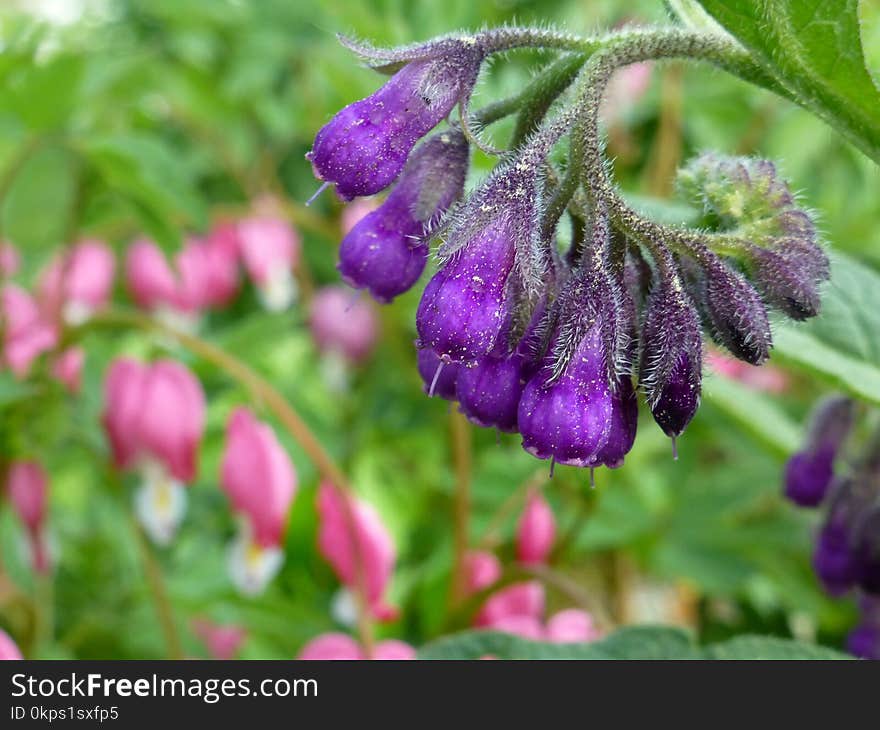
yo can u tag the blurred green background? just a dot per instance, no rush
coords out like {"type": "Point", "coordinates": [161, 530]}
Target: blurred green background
{"type": "Point", "coordinates": [126, 116]}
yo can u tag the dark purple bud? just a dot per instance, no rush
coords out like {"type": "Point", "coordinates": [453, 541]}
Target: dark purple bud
{"type": "Point", "coordinates": [387, 250]}
{"type": "Point", "coordinates": [365, 146]}
{"type": "Point", "coordinates": [864, 640]}
{"type": "Point", "coordinates": [833, 558]}
{"type": "Point", "coordinates": [866, 539]}
{"type": "Point", "coordinates": [624, 421]}
{"type": "Point", "coordinates": [671, 363]}
{"type": "Point", "coordinates": [736, 313]}
{"type": "Point", "coordinates": [789, 275]}
{"type": "Point", "coordinates": [439, 378]}
{"type": "Point", "coordinates": [808, 477]}
{"type": "Point", "coordinates": [810, 472]}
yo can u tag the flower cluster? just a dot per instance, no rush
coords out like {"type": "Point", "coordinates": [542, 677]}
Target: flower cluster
{"type": "Point", "coordinates": [847, 551]}
{"type": "Point", "coordinates": [528, 337]}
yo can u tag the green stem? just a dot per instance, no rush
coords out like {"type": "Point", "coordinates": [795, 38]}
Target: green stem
{"type": "Point", "coordinates": [159, 594]}
{"type": "Point", "coordinates": [461, 458]}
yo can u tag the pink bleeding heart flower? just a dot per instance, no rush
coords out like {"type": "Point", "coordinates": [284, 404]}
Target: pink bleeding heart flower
{"type": "Point", "coordinates": [343, 324]}
{"type": "Point", "coordinates": [148, 276]}
{"type": "Point", "coordinates": [8, 648]}
{"type": "Point", "coordinates": [78, 282]}
{"type": "Point", "coordinates": [27, 487]}
{"type": "Point", "coordinates": [154, 416]}
{"type": "Point", "coordinates": [222, 641]}
{"type": "Point", "coordinates": [571, 626]}
{"type": "Point", "coordinates": [520, 599]}
{"type": "Point", "coordinates": [10, 261]}
{"type": "Point", "coordinates": [26, 335]}
{"type": "Point", "coordinates": [481, 570]}
{"type": "Point", "coordinates": [351, 537]}
{"type": "Point", "coordinates": [627, 86]}
{"type": "Point", "coordinates": [536, 531]}
{"type": "Point", "coordinates": [270, 249]}
{"type": "Point", "coordinates": [258, 476]}
{"type": "Point", "coordinates": [222, 251]}
{"type": "Point", "coordinates": [766, 378]}
{"type": "Point", "coordinates": [336, 646]}
{"type": "Point", "coordinates": [67, 368]}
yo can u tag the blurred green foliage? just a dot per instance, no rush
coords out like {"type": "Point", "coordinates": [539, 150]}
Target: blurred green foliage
{"type": "Point", "coordinates": [153, 115]}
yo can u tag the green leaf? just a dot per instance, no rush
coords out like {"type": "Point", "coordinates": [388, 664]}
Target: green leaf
{"type": "Point", "coordinates": [154, 181]}
{"type": "Point", "coordinates": [814, 48]}
{"type": "Point", "coordinates": [769, 647]}
{"type": "Point", "coordinates": [630, 642]}
{"type": "Point", "coordinates": [841, 345]}
{"type": "Point", "coordinates": [755, 413]}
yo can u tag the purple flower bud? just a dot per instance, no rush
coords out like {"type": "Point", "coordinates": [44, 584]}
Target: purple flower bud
{"type": "Point", "coordinates": [439, 378]}
{"type": "Point", "coordinates": [386, 251]}
{"type": "Point", "coordinates": [624, 421]}
{"type": "Point", "coordinates": [789, 275]}
{"type": "Point", "coordinates": [365, 146]}
{"type": "Point", "coordinates": [809, 473]}
{"type": "Point", "coordinates": [864, 640]}
{"type": "Point", "coordinates": [736, 313]}
{"type": "Point", "coordinates": [671, 363]}
{"type": "Point", "coordinates": [567, 417]}
{"type": "Point", "coordinates": [833, 558]}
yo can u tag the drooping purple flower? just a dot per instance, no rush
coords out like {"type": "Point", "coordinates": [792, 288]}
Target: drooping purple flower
{"type": "Point", "coordinates": [493, 242]}
{"type": "Point", "coordinates": [671, 359]}
{"type": "Point", "coordinates": [789, 273]}
{"type": "Point", "coordinates": [365, 146]}
{"type": "Point", "coordinates": [439, 378]}
{"type": "Point", "coordinates": [809, 473]}
{"type": "Point", "coordinates": [386, 251]}
{"type": "Point", "coordinates": [566, 409]}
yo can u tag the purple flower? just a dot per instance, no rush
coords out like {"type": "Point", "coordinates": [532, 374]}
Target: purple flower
{"type": "Point", "coordinates": [624, 420]}
{"type": "Point", "coordinates": [864, 640]}
{"type": "Point", "coordinates": [439, 378]}
{"type": "Point", "coordinates": [866, 539]}
{"type": "Point", "coordinates": [386, 251]}
{"type": "Point", "coordinates": [365, 146]}
{"type": "Point", "coordinates": [833, 558]}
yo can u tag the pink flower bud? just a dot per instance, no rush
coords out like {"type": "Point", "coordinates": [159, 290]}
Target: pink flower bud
{"type": "Point", "coordinates": [222, 252]}
{"type": "Point", "coordinates": [520, 599]}
{"type": "Point", "coordinates": [67, 368]}
{"type": "Point", "coordinates": [8, 648]}
{"type": "Point", "coordinates": [154, 412]}
{"type": "Point", "coordinates": [10, 261]}
{"type": "Point", "coordinates": [26, 335]}
{"type": "Point", "coordinates": [270, 250]}
{"type": "Point", "coordinates": [257, 475]}
{"type": "Point", "coordinates": [222, 642]}
{"type": "Point", "coordinates": [342, 518]}
{"type": "Point", "coordinates": [78, 282]}
{"type": "Point", "coordinates": [343, 323]}
{"type": "Point", "coordinates": [336, 646]}
{"type": "Point", "coordinates": [527, 627]}
{"type": "Point", "coordinates": [481, 569]}
{"type": "Point", "coordinates": [536, 531]}
{"type": "Point", "coordinates": [150, 280]}
{"type": "Point", "coordinates": [571, 626]}
{"type": "Point", "coordinates": [27, 486]}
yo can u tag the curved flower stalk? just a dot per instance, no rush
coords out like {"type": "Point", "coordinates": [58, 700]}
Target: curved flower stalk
{"type": "Point", "coordinates": [154, 416]}
{"type": "Point", "coordinates": [258, 476]}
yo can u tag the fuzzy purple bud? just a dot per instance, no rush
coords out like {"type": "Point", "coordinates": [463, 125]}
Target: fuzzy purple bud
{"type": "Point", "coordinates": [387, 250]}
{"type": "Point", "coordinates": [789, 275]}
{"type": "Point", "coordinates": [439, 378]}
{"type": "Point", "coordinates": [736, 313]}
{"type": "Point", "coordinates": [365, 146]}
{"type": "Point", "coordinates": [671, 363]}
{"type": "Point", "coordinates": [624, 421]}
